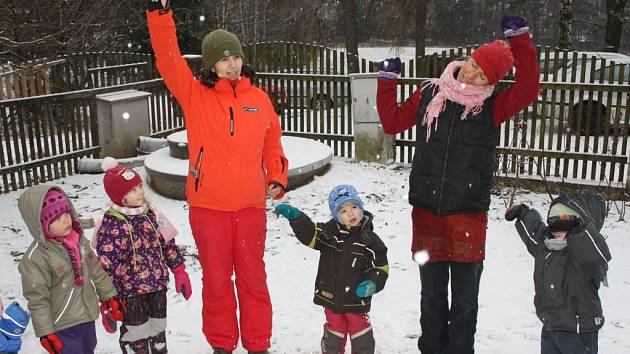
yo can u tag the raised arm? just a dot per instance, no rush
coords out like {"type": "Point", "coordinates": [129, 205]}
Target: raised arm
{"type": "Point", "coordinates": [395, 118]}
{"type": "Point", "coordinates": [170, 63]}
{"type": "Point", "coordinates": [529, 225]}
{"type": "Point", "coordinates": [525, 89]}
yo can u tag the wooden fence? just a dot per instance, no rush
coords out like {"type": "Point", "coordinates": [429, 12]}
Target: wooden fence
{"type": "Point", "coordinates": [577, 131]}
{"type": "Point", "coordinates": [43, 137]}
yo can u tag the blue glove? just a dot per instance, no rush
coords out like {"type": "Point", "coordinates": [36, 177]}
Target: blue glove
{"type": "Point", "coordinates": [366, 288]}
{"type": "Point", "coordinates": [9, 345]}
{"type": "Point", "coordinates": [513, 26]}
{"type": "Point", "coordinates": [389, 69]}
{"type": "Point", "coordinates": [287, 210]}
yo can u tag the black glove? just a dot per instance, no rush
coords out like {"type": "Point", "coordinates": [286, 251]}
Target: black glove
{"type": "Point", "coordinates": [515, 211]}
{"type": "Point", "coordinates": [161, 5]}
{"type": "Point", "coordinates": [513, 26]}
{"type": "Point", "coordinates": [389, 69]}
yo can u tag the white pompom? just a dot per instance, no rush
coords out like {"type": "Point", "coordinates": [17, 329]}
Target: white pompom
{"type": "Point", "coordinates": [108, 163]}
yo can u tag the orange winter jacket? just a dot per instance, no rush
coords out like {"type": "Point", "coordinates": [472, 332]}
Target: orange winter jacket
{"type": "Point", "coordinates": [233, 131]}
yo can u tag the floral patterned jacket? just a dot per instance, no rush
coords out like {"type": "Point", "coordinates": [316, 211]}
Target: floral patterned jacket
{"type": "Point", "coordinates": [134, 253]}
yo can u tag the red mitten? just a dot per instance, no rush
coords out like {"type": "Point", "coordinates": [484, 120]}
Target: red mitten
{"type": "Point", "coordinates": [118, 307]}
{"type": "Point", "coordinates": [51, 343]}
{"type": "Point", "coordinates": [182, 281]}
{"type": "Point", "coordinates": [107, 317]}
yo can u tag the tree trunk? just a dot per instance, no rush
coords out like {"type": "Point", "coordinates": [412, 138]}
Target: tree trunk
{"type": "Point", "coordinates": [614, 24]}
{"type": "Point", "coordinates": [421, 34]}
{"type": "Point", "coordinates": [566, 13]}
{"type": "Point", "coordinates": [352, 43]}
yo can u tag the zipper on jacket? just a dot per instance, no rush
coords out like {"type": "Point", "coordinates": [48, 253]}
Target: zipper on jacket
{"type": "Point", "coordinates": [448, 147]}
{"type": "Point", "coordinates": [231, 122]}
{"type": "Point", "coordinates": [196, 172]}
{"type": "Point", "coordinates": [577, 317]}
{"type": "Point", "coordinates": [65, 307]}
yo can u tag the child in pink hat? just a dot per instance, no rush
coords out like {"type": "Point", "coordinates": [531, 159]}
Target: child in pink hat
{"type": "Point", "coordinates": [61, 276]}
{"type": "Point", "coordinates": [136, 248]}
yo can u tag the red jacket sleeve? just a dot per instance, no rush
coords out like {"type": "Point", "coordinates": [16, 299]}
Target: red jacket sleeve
{"type": "Point", "coordinates": [170, 63]}
{"type": "Point", "coordinates": [395, 118]}
{"type": "Point", "coordinates": [276, 164]}
{"type": "Point", "coordinates": [525, 89]}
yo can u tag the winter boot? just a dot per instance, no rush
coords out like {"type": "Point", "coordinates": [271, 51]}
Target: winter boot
{"type": "Point", "coordinates": [263, 352]}
{"type": "Point", "coordinates": [140, 346]}
{"type": "Point", "coordinates": [332, 343]}
{"type": "Point", "coordinates": [158, 344]}
{"type": "Point", "coordinates": [363, 343]}
{"type": "Point", "coordinates": [220, 351]}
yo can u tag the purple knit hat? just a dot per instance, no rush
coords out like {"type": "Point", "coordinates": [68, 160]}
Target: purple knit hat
{"type": "Point", "coordinates": [54, 205]}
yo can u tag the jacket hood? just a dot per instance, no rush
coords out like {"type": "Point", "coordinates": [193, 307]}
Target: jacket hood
{"type": "Point", "coordinates": [588, 204]}
{"type": "Point", "coordinates": [30, 206]}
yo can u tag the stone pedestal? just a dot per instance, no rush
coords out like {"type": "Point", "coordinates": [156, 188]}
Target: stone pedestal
{"type": "Point", "coordinates": [371, 143]}
{"type": "Point", "coordinates": [122, 117]}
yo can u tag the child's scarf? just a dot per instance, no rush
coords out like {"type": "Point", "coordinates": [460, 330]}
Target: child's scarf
{"type": "Point", "coordinates": [469, 96]}
{"type": "Point", "coordinates": [71, 244]}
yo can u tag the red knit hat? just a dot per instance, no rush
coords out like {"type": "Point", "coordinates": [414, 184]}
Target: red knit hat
{"type": "Point", "coordinates": [118, 180]}
{"type": "Point", "coordinates": [54, 205]}
{"type": "Point", "coordinates": [495, 59]}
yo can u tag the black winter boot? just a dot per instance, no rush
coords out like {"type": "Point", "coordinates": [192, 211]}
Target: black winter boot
{"type": "Point", "coordinates": [364, 343]}
{"type": "Point", "coordinates": [332, 343]}
{"type": "Point", "coordinates": [221, 351]}
{"type": "Point", "coordinates": [263, 352]}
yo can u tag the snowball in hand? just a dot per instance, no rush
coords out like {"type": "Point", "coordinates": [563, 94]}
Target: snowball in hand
{"type": "Point", "coordinates": [421, 257]}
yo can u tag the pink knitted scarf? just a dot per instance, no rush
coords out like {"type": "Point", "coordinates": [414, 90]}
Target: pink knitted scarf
{"type": "Point", "coordinates": [469, 96]}
{"type": "Point", "coordinates": [71, 244]}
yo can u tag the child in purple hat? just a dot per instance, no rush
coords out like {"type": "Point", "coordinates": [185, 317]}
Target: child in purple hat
{"type": "Point", "coordinates": [61, 276]}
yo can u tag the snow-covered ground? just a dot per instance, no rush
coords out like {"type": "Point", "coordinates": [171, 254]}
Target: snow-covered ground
{"type": "Point", "coordinates": [507, 321]}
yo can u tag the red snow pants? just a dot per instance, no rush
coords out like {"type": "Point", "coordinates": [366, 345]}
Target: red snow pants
{"type": "Point", "coordinates": [342, 324]}
{"type": "Point", "coordinates": [233, 242]}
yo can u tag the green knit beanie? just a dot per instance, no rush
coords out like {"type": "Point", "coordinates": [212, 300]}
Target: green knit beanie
{"type": "Point", "coordinates": [217, 45]}
{"type": "Point", "coordinates": [560, 209]}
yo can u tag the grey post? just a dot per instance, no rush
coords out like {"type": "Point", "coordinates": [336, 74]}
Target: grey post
{"type": "Point", "coordinates": [371, 144]}
{"type": "Point", "coordinates": [123, 116]}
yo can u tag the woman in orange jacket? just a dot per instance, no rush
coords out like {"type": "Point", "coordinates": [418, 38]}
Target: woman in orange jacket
{"type": "Point", "coordinates": [236, 161]}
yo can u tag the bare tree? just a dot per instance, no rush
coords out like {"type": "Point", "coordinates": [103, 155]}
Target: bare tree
{"type": "Point", "coordinates": [614, 24]}
{"type": "Point", "coordinates": [35, 28]}
{"type": "Point", "coordinates": [421, 23]}
{"type": "Point", "coordinates": [566, 13]}
{"type": "Point", "coordinates": [352, 43]}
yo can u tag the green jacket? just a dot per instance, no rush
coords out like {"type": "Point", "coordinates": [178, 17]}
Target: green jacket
{"type": "Point", "coordinates": [54, 300]}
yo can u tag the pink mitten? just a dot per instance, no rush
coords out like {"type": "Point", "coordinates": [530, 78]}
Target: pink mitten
{"type": "Point", "coordinates": [182, 281]}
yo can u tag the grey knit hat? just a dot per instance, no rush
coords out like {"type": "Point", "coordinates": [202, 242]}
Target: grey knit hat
{"type": "Point", "coordinates": [219, 44]}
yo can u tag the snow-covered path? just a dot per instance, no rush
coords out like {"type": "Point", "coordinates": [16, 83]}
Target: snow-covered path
{"type": "Point", "coordinates": [507, 322]}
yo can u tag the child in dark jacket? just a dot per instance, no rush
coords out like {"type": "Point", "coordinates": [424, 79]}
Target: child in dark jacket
{"type": "Point", "coordinates": [352, 267]}
{"type": "Point", "coordinates": [137, 251]}
{"type": "Point", "coordinates": [571, 260]}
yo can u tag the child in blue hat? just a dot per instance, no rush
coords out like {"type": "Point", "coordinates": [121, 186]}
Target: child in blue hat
{"type": "Point", "coordinates": [352, 267]}
{"type": "Point", "coordinates": [13, 322]}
